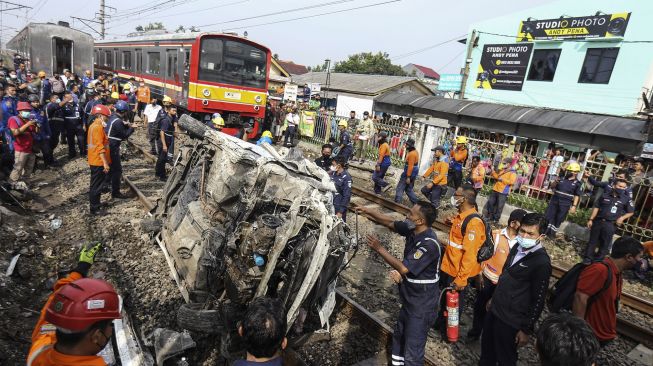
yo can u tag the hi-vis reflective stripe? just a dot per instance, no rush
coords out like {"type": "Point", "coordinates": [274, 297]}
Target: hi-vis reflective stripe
{"type": "Point", "coordinates": [411, 280]}
{"type": "Point", "coordinates": [456, 245]}
{"type": "Point", "coordinates": [564, 194]}
{"type": "Point", "coordinates": [110, 127]}
{"type": "Point", "coordinates": [37, 352]}
{"type": "Point", "coordinates": [397, 360]}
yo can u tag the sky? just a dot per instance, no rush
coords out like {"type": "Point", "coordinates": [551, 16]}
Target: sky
{"type": "Point", "coordinates": [410, 31]}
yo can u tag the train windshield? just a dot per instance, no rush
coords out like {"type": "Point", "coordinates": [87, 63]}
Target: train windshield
{"type": "Point", "coordinates": [232, 62]}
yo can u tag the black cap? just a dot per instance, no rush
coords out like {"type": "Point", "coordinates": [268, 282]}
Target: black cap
{"type": "Point", "coordinates": [366, 113]}
{"type": "Point", "coordinates": [410, 143]}
{"type": "Point", "coordinates": [441, 148]}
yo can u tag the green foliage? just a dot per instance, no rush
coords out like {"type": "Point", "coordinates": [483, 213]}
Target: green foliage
{"type": "Point", "coordinates": [369, 63]}
{"type": "Point", "coordinates": [318, 68]}
{"type": "Point", "coordinates": [151, 26]}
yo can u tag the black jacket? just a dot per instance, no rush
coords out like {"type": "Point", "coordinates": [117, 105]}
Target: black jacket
{"type": "Point", "coordinates": [522, 288]}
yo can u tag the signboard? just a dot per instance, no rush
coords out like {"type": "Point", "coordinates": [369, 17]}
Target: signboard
{"type": "Point", "coordinates": [307, 123]}
{"type": "Point", "coordinates": [593, 26]}
{"type": "Point", "coordinates": [290, 92]}
{"type": "Point", "coordinates": [503, 66]}
{"type": "Point", "coordinates": [450, 82]}
{"type": "Point", "coordinates": [315, 87]}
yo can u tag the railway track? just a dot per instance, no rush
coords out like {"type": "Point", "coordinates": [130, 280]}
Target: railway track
{"type": "Point", "coordinates": [624, 326]}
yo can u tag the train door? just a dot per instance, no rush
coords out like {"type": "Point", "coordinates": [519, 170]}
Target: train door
{"type": "Point", "coordinates": [172, 75]}
{"type": "Point", "coordinates": [185, 74]}
{"type": "Point", "coordinates": [62, 54]}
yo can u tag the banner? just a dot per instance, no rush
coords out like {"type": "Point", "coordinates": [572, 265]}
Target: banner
{"type": "Point", "coordinates": [307, 123]}
{"type": "Point", "coordinates": [503, 66]}
{"type": "Point", "coordinates": [450, 82]}
{"type": "Point", "coordinates": [593, 26]}
{"type": "Point", "coordinates": [290, 92]}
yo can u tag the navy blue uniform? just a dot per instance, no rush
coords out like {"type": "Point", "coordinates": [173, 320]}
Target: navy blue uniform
{"type": "Point", "coordinates": [74, 129]}
{"type": "Point", "coordinates": [418, 292]}
{"type": "Point", "coordinates": [42, 138]}
{"type": "Point", "coordinates": [612, 205]}
{"type": "Point", "coordinates": [166, 124]}
{"type": "Point", "coordinates": [408, 188]}
{"type": "Point", "coordinates": [345, 139]}
{"type": "Point", "coordinates": [273, 362]}
{"type": "Point", "coordinates": [55, 115]}
{"type": "Point", "coordinates": [342, 196]}
{"type": "Point", "coordinates": [86, 116]}
{"type": "Point", "coordinates": [561, 201]}
{"type": "Point", "coordinates": [9, 105]}
{"type": "Point", "coordinates": [117, 131]}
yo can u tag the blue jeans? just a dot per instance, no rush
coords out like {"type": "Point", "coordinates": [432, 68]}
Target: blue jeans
{"type": "Point", "coordinates": [408, 188]}
{"type": "Point", "coordinates": [377, 177]}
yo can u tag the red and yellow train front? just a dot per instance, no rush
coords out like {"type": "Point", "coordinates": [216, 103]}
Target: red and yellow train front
{"type": "Point", "coordinates": [228, 75]}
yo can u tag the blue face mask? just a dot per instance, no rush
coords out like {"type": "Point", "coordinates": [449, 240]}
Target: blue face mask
{"type": "Point", "coordinates": [526, 243]}
{"type": "Point", "coordinates": [620, 191]}
{"type": "Point", "coordinates": [24, 114]}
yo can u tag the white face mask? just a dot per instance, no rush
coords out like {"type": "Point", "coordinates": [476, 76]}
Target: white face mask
{"type": "Point", "coordinates": [455, 203]}
{"type": "Point", "coordinates": [333, 168]}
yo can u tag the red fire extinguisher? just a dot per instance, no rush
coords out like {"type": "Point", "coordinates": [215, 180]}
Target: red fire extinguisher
{"type": "Point", "coordinates": [452, 315]}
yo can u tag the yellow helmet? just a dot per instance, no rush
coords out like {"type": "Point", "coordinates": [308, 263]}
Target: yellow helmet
{"type": "Point", "coordinates": [267, 134]}
{"type": "Point", "coordinates": [41, 74]}
{"type": "Point", "coordinates": [461, 140]}
{"type": "Point", "coordinates": [127, 87]}
{"type": "Point", "coordinates": [573, 167]}
{"type": "Point", "coordinates": [167, 99]}
{"type": "Point", "coordinates": [115, 95]}
{"type": "Point", "coordinates": [343, 123]}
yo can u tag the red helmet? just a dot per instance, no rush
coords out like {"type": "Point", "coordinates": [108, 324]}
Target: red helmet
{"type": "Point", "coordinates": [23, 106]}
{"type": "Point", "coordinates": [101, 109]}
{"type": "Point", "coordinates": [83, 303]}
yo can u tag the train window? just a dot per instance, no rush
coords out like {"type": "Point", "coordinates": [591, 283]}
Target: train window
{"type": "Point", "coordinates": [171, 70]}
{"type": "Point", "coordinates": [153, 63]}
{"type": "Point", "coordinates": [139, 61]}
{"type": "Point", "coordinates": [232, 62]}
{"type": "Point", "coordinates": [107, 58]}
{"type": "Point", "coordinates": [127, 60]}
{"type": "Point", "coordinates": [96, 58]}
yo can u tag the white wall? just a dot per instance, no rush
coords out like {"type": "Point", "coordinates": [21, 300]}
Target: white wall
{"type": "Point", "coordinates": [347, 104]}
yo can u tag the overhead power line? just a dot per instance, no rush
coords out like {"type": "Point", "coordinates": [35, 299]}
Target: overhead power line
{"type": "Point", "coordinates": [412, 53]}
{"type": "Point", "coordinates": [314, 15]}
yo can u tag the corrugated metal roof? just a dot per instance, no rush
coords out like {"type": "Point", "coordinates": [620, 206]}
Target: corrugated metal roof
{"type": "Point", "coordinates": [358, 83]}
{"type": "Point", "coordinates": [620, 130]}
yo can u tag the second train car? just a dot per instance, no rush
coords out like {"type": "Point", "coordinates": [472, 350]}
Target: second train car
{"type": "Point", "coordinates": [203, 73]}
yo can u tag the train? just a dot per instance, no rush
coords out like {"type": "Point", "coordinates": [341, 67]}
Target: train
{"type": "Point", "coordinates": [53, 48]}
{"type": "Point", "coordinates": [202, 72]}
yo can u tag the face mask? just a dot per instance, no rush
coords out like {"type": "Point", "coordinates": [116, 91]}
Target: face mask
{"type": "Point", "coordinates": [25, 114]}
{"type": "Point", "coordinates": [333, 168]}
{"type": "Point", "coordinates": [410, 223]}
{"type": "Point", "coordinates": [127, 92]}
{"type": "Point", "coordinates": [455, 203]}
{"type": "Point", "coordinates": [526, 243]}
{"type": "Point", "coordinates": [153, 103]}
{"type": "Point", "coordinates": [141, 84]}
{"type": "Point", "coordinates": [13, 76]}
{"type": "Point", "coordinates": [326, 156]}
{"type": "Point", "coordinates": [569, 175]}
{"type": "Point", "coordinates": [620, 191]}
{"type": "Point", "coordinates": [58, 100]}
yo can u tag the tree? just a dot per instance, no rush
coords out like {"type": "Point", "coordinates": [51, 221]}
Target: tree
{"type": "Point", "coordinates": [151, 26]}
{"type": "Point", "coordinates": [139, 28]}
{"type": "Point", "coordinates": [193, 28]}
{"type": "Point", "coordinates": [180, 29]}
{"type": "Point", "coordinates": [369, 63]}
{"type": "Point", "coordinates": [318, 68]}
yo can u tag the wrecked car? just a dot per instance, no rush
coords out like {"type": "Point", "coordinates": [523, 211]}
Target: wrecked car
{"type": "Point", "coordinates": [240, 221]}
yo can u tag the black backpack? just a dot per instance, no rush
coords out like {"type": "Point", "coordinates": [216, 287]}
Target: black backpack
{"type": "Point", "coordinates": [486, 251]}
{"type": "Point", "coordinates": [561, 294]}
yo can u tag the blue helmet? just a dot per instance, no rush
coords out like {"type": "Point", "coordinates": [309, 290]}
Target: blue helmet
{"type": "Point", "coordinates": [121, 106]}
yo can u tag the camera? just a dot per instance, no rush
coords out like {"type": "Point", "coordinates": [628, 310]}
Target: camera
{"type": "Point", "coordinates": [617, 26]}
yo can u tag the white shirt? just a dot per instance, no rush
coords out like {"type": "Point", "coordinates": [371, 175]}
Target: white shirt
{"type": "Point", "coordinates": [521, 253]}
{"type": "Point", "coordinates": [504, 232]}
{"type": "Point", "coordinates": [292, 119]}
{"type": "Point", "coordinates": [64, 79]}
{"type": "Point", "coordinates": [555, 164]}
{"type": "Point", "coordinates": [151, 111]}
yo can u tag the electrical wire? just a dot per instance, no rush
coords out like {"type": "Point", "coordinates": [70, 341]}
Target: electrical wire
{"type": "Point", "coordinates": [412, 53]}
{"type": "Point", "coordinates": [452, 59]}
{"type": "Point", "coordinates": [314, 15]}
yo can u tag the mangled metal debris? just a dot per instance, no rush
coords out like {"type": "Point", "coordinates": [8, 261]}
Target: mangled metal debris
{"type": "Point", "coordinates": [241, 221]}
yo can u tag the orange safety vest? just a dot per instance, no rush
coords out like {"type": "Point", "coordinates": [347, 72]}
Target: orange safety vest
{"type": "Point", "coordinates": [42, 352]}
{"type": "Point", "coordinates": [98, 143]}
{"type": "Point", "coordinates": [459, 260]}
{"type": "Point", "coordinates": [493, 267]}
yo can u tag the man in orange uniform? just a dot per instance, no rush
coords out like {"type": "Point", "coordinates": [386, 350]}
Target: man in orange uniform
{"type": "Point", "coordinates": [465, 238]}
{"type": "Point", "coordinates": [77, 320]}
{"type": "Point", "coordinates": [98, 154]}
{"type": "Point", "coordinates": [478, 174]}
{"type": "Point", "coordinates": [142, 96]}
{"type": "Point", "coordinates": [407, 179]}
{"type": "Point", "coordinates": [435, 190]}
{"type": "Point", "coordinates": [458, 159]}
{"type": "Point", "coordinates": [504, 240]}
{"type": "Point", "coordinates": [506, 177]}
{"type": "Point", "coordinates": [382, 164]}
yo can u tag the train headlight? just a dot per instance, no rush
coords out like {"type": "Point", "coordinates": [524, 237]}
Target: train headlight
{"type": "Point", "coordinates": [206, 92]}
{"type": "Point", "coordinates": [258, 99]}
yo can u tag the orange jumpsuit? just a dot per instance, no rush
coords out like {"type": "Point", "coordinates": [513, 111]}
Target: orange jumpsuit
{"type": "Point", "coordinates": [42, 352]}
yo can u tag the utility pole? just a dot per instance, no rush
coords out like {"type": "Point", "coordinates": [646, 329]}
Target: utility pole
{"type": "Point", "coordinates": [468, 60]}
{"type": "Point", "coordinates": [11, 6]}
{"type": "Point", "coordinates": [101, 19]}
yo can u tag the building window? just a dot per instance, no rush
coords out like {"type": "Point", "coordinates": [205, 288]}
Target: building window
{"type": "Point", "coordinates": [543, 65]}
{"type": "Point", "coordinates": [598, 65]}
{"type": "Point", "coordinates": [126, 60]}
{"type": "Point", "coordinates": [153, 63]}
{"type": "Point", "coordinates": [171, 70]}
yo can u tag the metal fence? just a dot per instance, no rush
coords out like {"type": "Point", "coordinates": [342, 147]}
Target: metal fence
{"type": "Point", "coordinates": [535, 172]}
{"type": "Point", "coordinates": [323, 128]}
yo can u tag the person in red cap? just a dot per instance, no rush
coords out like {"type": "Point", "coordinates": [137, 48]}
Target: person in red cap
{"type": "Point", "coordinates": [76, 322]}
{"type": "Point", "coordinates": [98, 154]}
{"type": "Point", "coordinates": [22, 129]}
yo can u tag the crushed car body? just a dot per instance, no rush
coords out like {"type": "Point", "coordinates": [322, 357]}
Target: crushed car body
{"type": "Point", "coordinates": [240, 221]}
